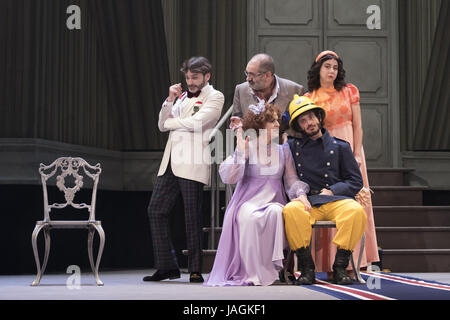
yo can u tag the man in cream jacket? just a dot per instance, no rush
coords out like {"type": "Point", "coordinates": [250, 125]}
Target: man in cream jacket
{"type": "Point", "coordinates": [185, 167]}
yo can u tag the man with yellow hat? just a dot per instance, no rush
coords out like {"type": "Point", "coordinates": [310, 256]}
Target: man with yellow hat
{"type": "Point", "coordinates": [327, 164]}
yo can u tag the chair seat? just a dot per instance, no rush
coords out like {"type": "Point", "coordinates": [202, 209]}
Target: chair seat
{"type": "Point", "coordinates": [61, 224]}
{"type": "Point", "coordinates": [324, 224]}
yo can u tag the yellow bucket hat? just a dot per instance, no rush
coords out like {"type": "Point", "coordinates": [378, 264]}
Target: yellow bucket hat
{"type": "Point", "coordinates": [302, 104]}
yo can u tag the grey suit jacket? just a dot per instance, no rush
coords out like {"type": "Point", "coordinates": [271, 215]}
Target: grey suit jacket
{"type": "Point", "coordinates": [243, 96]}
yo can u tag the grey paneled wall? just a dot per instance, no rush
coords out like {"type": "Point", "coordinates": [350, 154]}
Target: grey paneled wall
{"type": "Point", "coordinates": [289, 30]}
{"type": "Point", "coordinates": [295, 31]}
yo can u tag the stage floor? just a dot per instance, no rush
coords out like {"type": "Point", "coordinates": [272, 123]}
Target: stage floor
{"type": "Point", "coordinates": [128, 285]}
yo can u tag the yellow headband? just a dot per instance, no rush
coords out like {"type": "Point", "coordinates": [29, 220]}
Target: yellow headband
{"type": "Point", "coordinates": [323, 53]}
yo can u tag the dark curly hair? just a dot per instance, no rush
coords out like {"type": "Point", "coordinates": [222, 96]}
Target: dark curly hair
{"type": "Point", "coordinates": [319, 114]}
{"type": "Point", "coordinates": [196, 65]}
{"type": "Point", "coordinates": [314, 74]}
{"type": "Point", "coordinates": [258, 121]}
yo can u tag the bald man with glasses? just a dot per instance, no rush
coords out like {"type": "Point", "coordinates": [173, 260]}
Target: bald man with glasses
{"type": "Point", "coordinates": [262, 86]}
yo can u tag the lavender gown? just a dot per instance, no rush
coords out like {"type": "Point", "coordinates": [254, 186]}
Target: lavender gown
{"type": "Point", "coordinates": [250, 250]}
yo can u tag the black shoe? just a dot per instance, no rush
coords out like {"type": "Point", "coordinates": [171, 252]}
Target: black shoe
{"type": "Point", "coordinates": [290, 277]}
{"type": "Point", "coordinates": [307, 277]}
{"type": "Point", "coordinates": [196, 277]}
{"type": "Point", "coordinates": [305, 266]}
{"type": "Point", "coordinates": [340, 275]}
{"type": "Point", "coordinates": [163, 274]}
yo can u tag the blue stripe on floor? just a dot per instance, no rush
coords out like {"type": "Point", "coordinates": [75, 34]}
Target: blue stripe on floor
{"type": "Point", "coordinates": [388, 288]}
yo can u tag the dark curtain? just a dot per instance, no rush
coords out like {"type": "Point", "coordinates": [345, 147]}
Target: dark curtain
{"type": "Point", "coordinates": [424, 88]}
{"type": "Point", "coordinates": [100, 86]}
{"type": "Point", "coordinates": [433, 130]}
{"type": "Point", "coordinates": [216, 29]}
{"type": "Point", "coordinates": [133, 50]}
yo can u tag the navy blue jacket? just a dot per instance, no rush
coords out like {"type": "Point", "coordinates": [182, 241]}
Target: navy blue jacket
{"type": "Point", "coordinates": [326, 162]}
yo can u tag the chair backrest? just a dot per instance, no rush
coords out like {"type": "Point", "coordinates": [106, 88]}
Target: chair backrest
{"type": "Point", "coordinates": [76, 168]}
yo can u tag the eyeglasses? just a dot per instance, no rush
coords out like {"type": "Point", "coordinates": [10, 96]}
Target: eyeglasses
{"type": "Point", "coordinates": [252, 75]}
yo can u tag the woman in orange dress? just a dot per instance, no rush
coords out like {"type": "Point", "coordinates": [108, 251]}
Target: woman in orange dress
{"type": "Point", "coordinates": [327, 88]}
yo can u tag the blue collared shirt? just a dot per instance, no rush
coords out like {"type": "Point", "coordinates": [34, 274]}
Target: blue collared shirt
{"type": "Point", "coordinates": [326, 162]}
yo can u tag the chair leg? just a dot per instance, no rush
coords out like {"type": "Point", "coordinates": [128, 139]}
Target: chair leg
{"type": "Point", "coordinates": [101, 233]}
{"type": "Point", "coordinates": [361, 251]}
{"type": "Point", "coordinates": [90, 247]}
{"type": "Point", "coordinates": [34, 236]}
{"type": "Point", "coordinates": [47, 248]}
{"type": "Point", "coordinates": [356, 270]}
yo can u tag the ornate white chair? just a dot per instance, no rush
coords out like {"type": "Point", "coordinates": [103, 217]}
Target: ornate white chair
{"type": "Point", "coordinates": [74, 169]}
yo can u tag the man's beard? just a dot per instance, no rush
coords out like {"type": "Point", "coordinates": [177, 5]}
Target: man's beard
{"type": "Point", "coordinates": [311, 134]}
{"type": "Point", "coordinates": [255, 87]}
{"type": "Point", "coordinates": [194, 89]}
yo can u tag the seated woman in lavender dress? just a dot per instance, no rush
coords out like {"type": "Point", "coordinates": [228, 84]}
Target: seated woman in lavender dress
{"type": "Point", "coordinates": [250, 250]}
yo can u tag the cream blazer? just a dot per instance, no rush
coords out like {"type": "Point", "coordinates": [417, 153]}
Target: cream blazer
{"type": "Point", "coordinates": [190, 121]}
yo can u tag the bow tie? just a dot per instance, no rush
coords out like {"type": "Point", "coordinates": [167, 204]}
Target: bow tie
{"type": "Point", "coordinates": [193, 95]}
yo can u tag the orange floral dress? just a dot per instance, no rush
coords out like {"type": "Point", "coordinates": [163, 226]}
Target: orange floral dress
{"type": "Point", "coordinates": [339, 123]}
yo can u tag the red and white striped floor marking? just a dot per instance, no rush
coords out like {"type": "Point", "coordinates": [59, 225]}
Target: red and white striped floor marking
{"type": "Point", "coordinates": [419, 283]}
{"type": "Point", "coordinates": [360, 294]}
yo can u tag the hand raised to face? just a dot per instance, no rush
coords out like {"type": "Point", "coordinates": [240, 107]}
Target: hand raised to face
{"type": "Point", "coordinates": [235, 123]}
{"type": "Point", "coordinates": [242, 144]}
{"type": "Point", "coordinates": [174, 91]}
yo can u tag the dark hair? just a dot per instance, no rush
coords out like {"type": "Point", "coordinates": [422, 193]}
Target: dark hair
{"type": "Point", "coordinates": [319, 114]}
{"type": "Point", "coordinates": [196, 65]}
{"type": "Point", "coordinates": [258, 121]}
{"type": "Point", "coordinates": [314, 74]}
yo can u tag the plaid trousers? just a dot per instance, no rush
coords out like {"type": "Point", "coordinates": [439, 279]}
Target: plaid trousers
{"type": "Point", "coordinates": [166, 191]}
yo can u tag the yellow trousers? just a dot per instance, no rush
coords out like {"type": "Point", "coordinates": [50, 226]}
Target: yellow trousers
{"type": "Point", "coordinates": [349, 216]}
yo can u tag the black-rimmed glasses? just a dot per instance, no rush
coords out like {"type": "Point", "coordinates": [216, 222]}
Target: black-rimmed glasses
{"type": "Point", "coordinates": [252, 75]}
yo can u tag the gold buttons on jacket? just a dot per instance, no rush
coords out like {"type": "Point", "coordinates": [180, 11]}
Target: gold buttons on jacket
{"type": "Point", "coordinates": [328, 164]}
{"type": "Point", "coordinates": [331, 152]}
